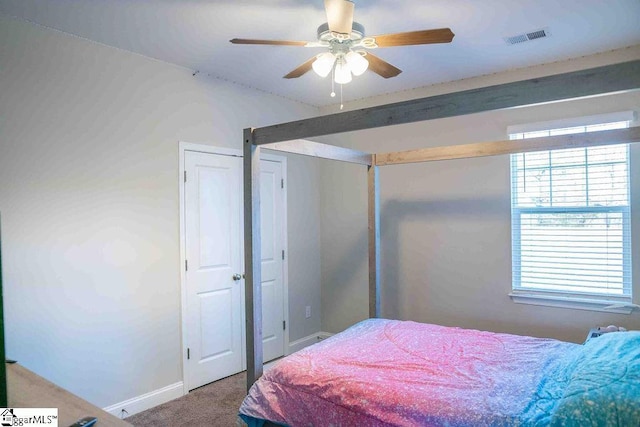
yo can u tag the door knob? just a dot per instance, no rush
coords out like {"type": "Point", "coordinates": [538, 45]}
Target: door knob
{"type": "Point", "coordinates": [237, 277]}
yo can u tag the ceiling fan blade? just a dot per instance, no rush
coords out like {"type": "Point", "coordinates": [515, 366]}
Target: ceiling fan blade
{"type": "Point", "coordinates": [381, 67]}
{"type": "Point", "coordinates": [440, 35]}
{"type": "Point", "coordinates": [269, 42]}
{"type": "Point", "coordinates": [302, 69]}
{"type": "Point", "coordinates": [339, 15]}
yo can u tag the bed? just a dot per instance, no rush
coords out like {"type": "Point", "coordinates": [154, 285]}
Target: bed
{"type": "Point", "coordinates": [383, 372]}
{"type": "Point", "coordinates": [400, 373]}
{"type": "Point", "coordinates": [292, 137]}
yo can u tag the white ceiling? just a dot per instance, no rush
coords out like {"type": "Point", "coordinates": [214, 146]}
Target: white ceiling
{"type": "Point", "coordinates": [195, 34]}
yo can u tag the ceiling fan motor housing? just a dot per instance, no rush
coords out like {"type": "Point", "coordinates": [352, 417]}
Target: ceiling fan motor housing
{"type": "Point", "coordinates": [357, 33]}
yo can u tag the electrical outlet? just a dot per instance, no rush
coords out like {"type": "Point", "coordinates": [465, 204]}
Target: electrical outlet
{"type": "Point", "coordinates": [307, 311]}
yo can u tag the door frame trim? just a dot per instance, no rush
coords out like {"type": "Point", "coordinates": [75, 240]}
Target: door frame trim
{"type": "Point", "coordinates": [183, 147]}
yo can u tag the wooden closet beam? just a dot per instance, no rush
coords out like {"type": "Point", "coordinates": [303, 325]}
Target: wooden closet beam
{"type": "Point", "coordinates": [373, 175]}
{"type": "Point", "coordinates": [604, 80]}
{"type": "Point", "coordinates": [323, 151]}
{"type": "Point", "coordinates": [483, 149]}
{"type": "Point", "coordinates": [252, 258]}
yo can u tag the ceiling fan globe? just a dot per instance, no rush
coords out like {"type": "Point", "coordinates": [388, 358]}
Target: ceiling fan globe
{"type": "Point", "coordinates": [324, 64]}
{"type": "Point", "coordinates": [357, 63]}
{"type": "Point", "coordinates": [342, 72]}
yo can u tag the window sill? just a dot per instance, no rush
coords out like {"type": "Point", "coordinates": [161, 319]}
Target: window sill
{"type": "Point", "coordinates": [573, 302]}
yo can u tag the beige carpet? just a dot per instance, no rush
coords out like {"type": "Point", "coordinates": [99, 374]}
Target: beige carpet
{"type": "Point", "coordinates": [214, 404]}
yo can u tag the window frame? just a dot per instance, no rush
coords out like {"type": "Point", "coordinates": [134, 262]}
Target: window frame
{"type": "Point", "coordinates": [622, 304]}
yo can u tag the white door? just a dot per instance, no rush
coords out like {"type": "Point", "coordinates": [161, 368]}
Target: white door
{"type": "Point", "coordinates": [213, 194]}
{"type": "Point", "coordinates": [272, 244]}
{"type": "Point", "coordinates": [214, 285]}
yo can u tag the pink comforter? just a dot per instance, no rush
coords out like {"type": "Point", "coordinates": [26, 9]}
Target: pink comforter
{"type": "Point", "coordinates": [385, 372]}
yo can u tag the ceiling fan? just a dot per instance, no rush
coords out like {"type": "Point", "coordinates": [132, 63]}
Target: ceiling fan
{"type": "Point", "coordinates": [345, 42]}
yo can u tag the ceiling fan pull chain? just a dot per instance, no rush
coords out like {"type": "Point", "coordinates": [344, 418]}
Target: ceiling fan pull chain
{"type": "Point", "coordinates": [333, 91]}
{"type": "Point", "coordinates": [341, 104]}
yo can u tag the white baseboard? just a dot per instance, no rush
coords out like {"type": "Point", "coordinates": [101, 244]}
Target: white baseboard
{"type": "Point", "coordinates": [173, 391]}
{"type": "Point", "coordinates": [307, 341]}
{"type": "Point", "coordinates": [324, 335]}
{"type": "Point", "coordinates": [147, 400]}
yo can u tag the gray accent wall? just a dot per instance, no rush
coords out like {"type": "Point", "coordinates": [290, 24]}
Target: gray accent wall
{"type": "Point", "coordinates": [446, 226]}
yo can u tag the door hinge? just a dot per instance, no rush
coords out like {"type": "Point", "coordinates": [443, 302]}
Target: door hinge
{"type": "Point", "coordinates": [186, 265]}
{"type": "Point", "coordinates": [282, 183]}
{"type": "Point", "coordinates": [185, 176]}
{"type": "Point", "coordinates": [188, 354]}
{"type": "Point", "coordinates": [284, 325]}
{"type": "Point", "coordinates": [283, 254]}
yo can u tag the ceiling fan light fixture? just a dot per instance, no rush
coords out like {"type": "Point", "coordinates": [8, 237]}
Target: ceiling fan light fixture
{"type": "Point", "coordinates": [345, 44]}
{"type": "Point", "coordinates": [357, 63]}
{"type": "Point", "coordinates": [343, 72]}
{"type": "Point", "coordinates": [324, 64]}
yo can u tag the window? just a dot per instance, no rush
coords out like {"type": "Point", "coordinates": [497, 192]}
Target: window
{"type": "Point", "coordinates": [571, 232]}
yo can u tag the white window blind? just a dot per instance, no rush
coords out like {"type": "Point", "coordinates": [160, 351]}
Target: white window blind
{"type": "Point", "coordinates": [571, 231]}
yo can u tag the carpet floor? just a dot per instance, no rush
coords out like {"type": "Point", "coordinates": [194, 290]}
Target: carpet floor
{"type": "Point", "coordinates": [214, 404]}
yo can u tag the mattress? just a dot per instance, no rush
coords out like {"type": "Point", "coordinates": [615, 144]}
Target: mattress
{"type": "Point", "coordinates": [398, 373]}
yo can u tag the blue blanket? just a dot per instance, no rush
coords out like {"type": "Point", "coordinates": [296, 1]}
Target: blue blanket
{"type": "Point", "coordinates": [597, 384]}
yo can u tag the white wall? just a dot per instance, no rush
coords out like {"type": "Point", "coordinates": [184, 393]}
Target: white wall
{"type": "Point", "coordinates": [89, 201]}
{"type": "Point", "coordinates": [446, 242]}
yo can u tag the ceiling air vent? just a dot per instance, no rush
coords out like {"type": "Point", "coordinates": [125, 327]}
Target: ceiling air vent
{"type": "Point", "coordinates": [533, 35]}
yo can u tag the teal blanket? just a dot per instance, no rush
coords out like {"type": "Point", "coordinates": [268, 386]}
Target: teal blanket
{"type": "Point", "coordinates": [598, 384]}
